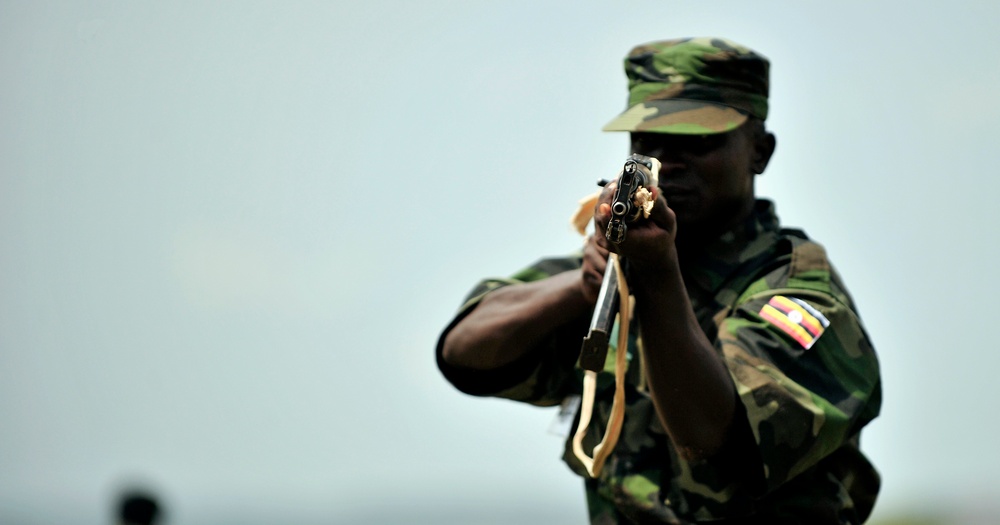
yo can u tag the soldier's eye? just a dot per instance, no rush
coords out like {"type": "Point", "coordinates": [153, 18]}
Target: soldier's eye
{"type": "Point", "coordinates": [656, 145]}
{"type": "Point", "coordinates": [644, 146]}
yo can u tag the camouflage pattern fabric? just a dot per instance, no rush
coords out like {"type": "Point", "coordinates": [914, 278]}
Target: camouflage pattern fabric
{"type": "Point", "coordinates": [803, 408]}
{"type": "Point", "coordinates": [693, 86]}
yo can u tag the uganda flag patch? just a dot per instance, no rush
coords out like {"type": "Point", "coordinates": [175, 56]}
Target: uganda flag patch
{"type": "Point", "coordinates": [796, 318]}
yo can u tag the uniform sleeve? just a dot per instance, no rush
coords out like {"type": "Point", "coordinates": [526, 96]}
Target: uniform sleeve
{"type": "Point", "coordinates": [805, 372]}
{"type": "Point", "coordinates": [543, 377]}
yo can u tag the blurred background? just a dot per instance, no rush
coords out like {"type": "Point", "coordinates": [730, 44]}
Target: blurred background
{"type": "Point", "coordinates": [231, 232]}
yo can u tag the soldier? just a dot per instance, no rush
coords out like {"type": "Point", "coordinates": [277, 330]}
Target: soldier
{"type": "Point", "coordinates": [750, 374]}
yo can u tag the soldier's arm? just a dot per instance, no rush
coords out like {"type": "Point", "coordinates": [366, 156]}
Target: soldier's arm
{"type": "Point", "coordinates": [513, 320]}
{"type": "Point", "coordinates": [694, 396]}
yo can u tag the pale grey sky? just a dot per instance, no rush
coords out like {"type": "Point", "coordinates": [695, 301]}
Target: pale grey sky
{"type": "Point", "coordinates": [231, 232]}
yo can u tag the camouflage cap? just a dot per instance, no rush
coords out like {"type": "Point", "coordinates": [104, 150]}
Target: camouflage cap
{"type": "Point", "coordinates": [693, 86]}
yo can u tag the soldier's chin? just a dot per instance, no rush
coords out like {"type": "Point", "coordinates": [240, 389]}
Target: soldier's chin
{"type": "Point", "coordinates": [685, 216]}
{"type": "Point", "coordinates": [684, 205]}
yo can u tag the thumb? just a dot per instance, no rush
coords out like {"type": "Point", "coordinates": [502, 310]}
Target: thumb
{"type": "Point", "coordinates": [661, 214]}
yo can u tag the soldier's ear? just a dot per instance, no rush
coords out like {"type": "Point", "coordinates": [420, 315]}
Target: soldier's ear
{"type": "Point", "coordinates": [763, 148]}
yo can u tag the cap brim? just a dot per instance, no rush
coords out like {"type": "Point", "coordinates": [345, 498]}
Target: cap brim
{"type": "Point", "coordinates": [681, 117]}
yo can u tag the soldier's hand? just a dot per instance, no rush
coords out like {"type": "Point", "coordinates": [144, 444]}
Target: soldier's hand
{"type": "Point", "coordinates": [649, 242]}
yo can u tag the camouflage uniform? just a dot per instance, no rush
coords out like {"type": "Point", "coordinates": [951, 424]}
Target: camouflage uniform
{"type": "Point", "coordinates": [806, 375]}
{"type": "Point", "coordinates": [804, 408]}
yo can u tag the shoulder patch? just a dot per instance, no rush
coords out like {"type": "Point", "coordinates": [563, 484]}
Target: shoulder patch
{"type": "Point", "coordinates": [796, 318]}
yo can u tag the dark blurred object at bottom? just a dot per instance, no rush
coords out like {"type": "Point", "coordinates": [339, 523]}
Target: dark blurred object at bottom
{"type": "Point", "coordinates": [138, 508]}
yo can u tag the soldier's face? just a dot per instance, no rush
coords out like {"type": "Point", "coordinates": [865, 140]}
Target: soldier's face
{"type": "Point", "coordinates": [706, 179]}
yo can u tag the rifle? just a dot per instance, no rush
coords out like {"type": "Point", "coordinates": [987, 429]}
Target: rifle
{"type": "Point", "coordinates": [631, 201]}
{"type": "Point", "coordinates": [631, 196]}
{"type": "Point", "coordinates": [624, 209]}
